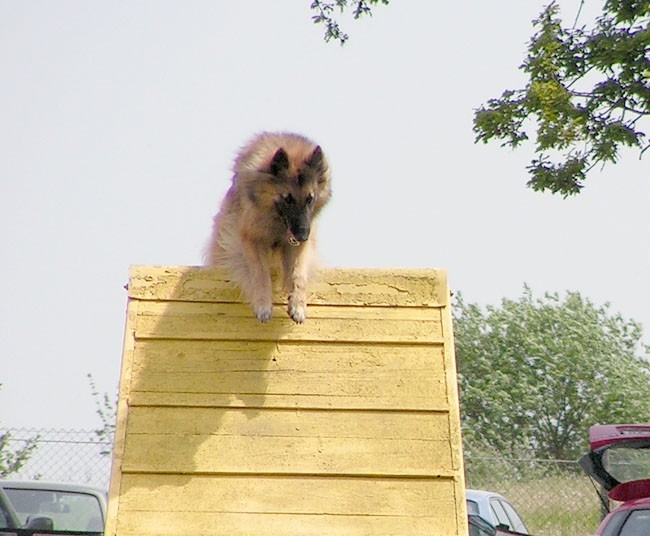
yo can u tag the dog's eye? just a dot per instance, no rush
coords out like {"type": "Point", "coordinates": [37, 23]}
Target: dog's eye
{"type": "Point", "coordinates": [288, 199]}
{"type": "Point", "coordinates": [310, 199]}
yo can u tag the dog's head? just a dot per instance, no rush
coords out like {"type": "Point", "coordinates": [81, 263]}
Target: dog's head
{"type": "Point", "coordinates": [302, 189]}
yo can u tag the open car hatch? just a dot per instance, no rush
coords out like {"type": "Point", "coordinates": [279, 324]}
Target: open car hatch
{"type": "Point", "coordinates": [619, 459]}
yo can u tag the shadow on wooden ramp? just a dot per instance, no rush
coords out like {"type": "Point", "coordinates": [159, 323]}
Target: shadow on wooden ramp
{"type": "Point", "coordinates": [347, 424]}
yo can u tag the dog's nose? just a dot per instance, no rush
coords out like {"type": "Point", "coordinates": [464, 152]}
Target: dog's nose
{"type": "Point", "coordinates": [301, 233]}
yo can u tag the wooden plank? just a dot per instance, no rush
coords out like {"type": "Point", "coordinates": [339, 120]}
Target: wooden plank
{"type": "Point", "coordinates": [115, 485]}
{"type": "Point", "coordinates": [285, 401]}
{"type": "Point", "coordinates": [146, 523]}
{"type": "Point", "coordinates": [300, 442]}
{"type": "Point", "coordinates": [347, 424]}
{"type": "Point", "coordinates": [242, 505]}
{"type": "Point", "coordinates": [333, 286]}
{"type": "Point", "coordinates": [288, 495]}
{"type": "Point", "coordinates": [216, 321]}
{"type": "Point", "coordinates": [451, 379]}
{"type": "Point", "coordinates": [232, 373]}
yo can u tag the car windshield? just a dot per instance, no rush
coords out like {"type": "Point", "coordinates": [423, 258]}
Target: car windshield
{"type": "Point", "coordinates": [627, 464]}
{"type": "Point", "coordinates": [68, 511]}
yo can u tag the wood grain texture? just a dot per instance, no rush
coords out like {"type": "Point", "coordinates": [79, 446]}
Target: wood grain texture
{"type": "Point", "coordinates": [122, 418]}
{"type": "Point", "coordinates": [209, 321]}
{"type": "Point", "coordinates": [294, 375]}
{"type": "Point", "coordinates": [332, 286]}
{"type": "Point", "coordinates": [169, 504]}
{"type": "Point", "coordinates": [256, 441]}
{"type": "Point", "coordinates": [347, 424]}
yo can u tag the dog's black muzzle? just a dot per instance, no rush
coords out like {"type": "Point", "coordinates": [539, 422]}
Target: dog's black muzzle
{"type": "Point", "coordinates": [300, 233]}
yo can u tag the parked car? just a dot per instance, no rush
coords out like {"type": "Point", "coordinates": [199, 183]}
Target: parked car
{"type": "Point", "coordinates": [479, 527]}
{"type": "Point", "coordinates": [619, 460]}
{"type": "Point", "coordinates": [43, 508]}
{"type": "Point", "coordinates": [496, 510]}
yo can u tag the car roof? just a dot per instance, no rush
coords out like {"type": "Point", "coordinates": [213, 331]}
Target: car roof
{"type": "Point", "coordinates": [52, 486]}
{"type": "Point", "coordinates": [477, 494]}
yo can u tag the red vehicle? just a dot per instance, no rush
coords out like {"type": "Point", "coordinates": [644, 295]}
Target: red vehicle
{"type": "Point", "coordinates": [619, 460]}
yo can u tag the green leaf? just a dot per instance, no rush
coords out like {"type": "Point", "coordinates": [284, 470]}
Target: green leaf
{"type": "Point", "coordinates": [587, 93]}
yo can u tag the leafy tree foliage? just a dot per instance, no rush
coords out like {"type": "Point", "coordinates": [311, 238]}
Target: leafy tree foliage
{"type": "Point", "coordinates": [587, 91]}
{"type": "Point", "coordinates": [12, 459]}
{"type": "Point", "coordinates": [325, 12]}
{"type": "Point", "coordinates": [535, 373]}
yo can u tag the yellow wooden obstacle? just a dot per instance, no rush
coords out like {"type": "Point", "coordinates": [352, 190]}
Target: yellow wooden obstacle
{"type": "Point", "coordinates": [345, 425]}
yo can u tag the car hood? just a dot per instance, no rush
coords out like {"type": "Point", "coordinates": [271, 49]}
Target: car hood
{"type": "Point", "coordinates": [619, 460]}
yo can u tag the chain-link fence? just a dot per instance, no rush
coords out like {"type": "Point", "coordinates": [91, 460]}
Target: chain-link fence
{"type": "Point", "coordinates": [554, 497]}
{"type": "Point", "coordinates": [62, 455]}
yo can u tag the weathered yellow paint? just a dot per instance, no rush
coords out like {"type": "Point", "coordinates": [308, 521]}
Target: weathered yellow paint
{"type": "Point", "coordinates": [332, 287]}
{"type": "Point", "coordinates": [280, 441]}
{"type": "Point", "coordinates": [277, 505]}
{"type": "Point", "coordinates": [347, 424]}
{"type": "Point", "coordinates": [208, 321]}
{"type": "Point", "coordinates": [306, 374]}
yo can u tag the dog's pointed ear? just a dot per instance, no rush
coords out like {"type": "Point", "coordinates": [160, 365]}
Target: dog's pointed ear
{"type": "Point", "coordinates": [280, 162]}
{"type": "Point", "coordinates": [316, 160]}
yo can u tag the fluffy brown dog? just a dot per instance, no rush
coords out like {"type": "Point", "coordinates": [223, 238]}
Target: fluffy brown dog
{"type": "Point", "coordinates": [266, 222]}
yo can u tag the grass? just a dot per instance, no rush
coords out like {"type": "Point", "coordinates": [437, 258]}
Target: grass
{"type": "Point", "coordinates": [564, 504]}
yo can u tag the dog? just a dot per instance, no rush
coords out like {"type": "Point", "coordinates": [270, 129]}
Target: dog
{"type": "Point", "coordinates": [266, 223]}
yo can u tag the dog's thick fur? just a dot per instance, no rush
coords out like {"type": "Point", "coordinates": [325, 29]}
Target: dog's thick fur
{"type": "Point", "coordinates": [280, 184]}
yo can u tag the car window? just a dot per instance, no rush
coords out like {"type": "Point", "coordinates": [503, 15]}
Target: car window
{"type": "Point", "coordinates": [516, 523]}
{"type": "Point", "coordinates": [499, 512]}
{"type": "Point", "coordinates": [472, 508]}
{"type": "Point", "coordinates": [67, 510]}
{"type": "Point", "coordinates": [626, 464]}
{"type": "Point", "coordinates": [480, 527]}
{"type": "Point", "coordinates": [636, 524]}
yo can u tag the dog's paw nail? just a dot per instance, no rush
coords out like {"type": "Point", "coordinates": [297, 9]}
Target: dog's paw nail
{"type": "Point", "coordinates": [264, 314]}
{"type": "Point", "coordinates": [297, 314]}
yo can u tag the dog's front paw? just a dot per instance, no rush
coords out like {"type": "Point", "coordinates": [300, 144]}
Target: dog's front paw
{"type": "Point", "coordinates": [297, 310]}
{"type": "Point", "coordinates": [263, 314]}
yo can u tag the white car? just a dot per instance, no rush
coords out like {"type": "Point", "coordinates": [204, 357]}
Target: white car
{"type": "Point", "coordinates": [47, 507]}
{"type": "Point", "coordinates": [495, 509]}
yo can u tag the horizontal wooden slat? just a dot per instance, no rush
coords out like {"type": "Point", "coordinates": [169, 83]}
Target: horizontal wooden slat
{"type": "Point", "coordinates": [269, 374]}
{"type": "Point", "coordinates": [216, 321]}
{"type": "Point", "coordinates": [247, 524]}
{"type": "Point", "coordinates": [285, 401]}
{"type": "Point", "coordinates": [272, 441]}
{"type": "Point", "coordinates": [331, 286]}
{"type": "Point", "coordinates": [288, 495]}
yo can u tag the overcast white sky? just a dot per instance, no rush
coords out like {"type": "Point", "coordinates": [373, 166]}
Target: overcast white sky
{"type": "Point", "coordinates": [119, 121]}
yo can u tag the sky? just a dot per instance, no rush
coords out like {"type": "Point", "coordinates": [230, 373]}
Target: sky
{"type": "Point", "coordinates": [119, 122]}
